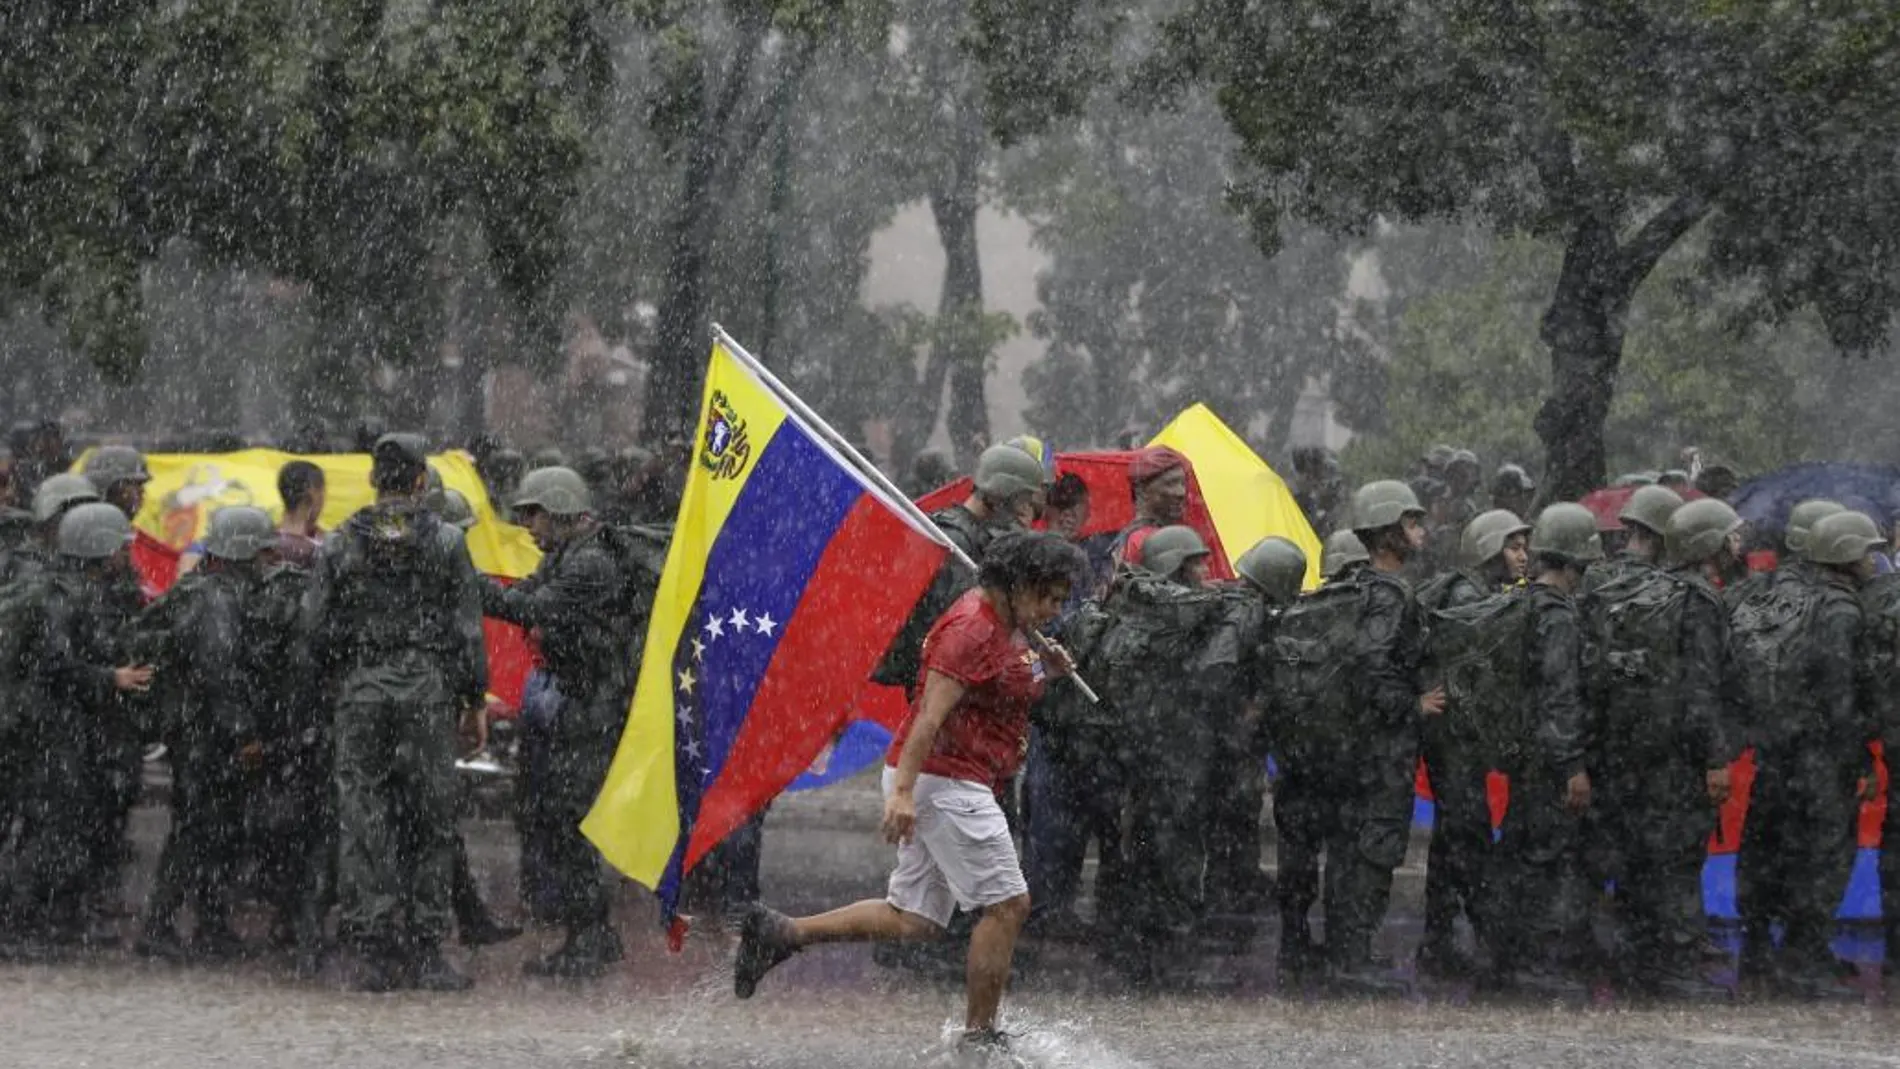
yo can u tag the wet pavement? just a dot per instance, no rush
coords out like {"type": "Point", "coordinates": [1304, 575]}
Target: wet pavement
{"type": "Point", "coordinates": [836, 1007]}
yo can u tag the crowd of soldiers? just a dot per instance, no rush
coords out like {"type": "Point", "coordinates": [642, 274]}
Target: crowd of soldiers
{"type": "Point", "coordinates": [309, 689]}
{"type": "Point", "coordinates": [1613, 691]}
{"type": "Point", "coordinates": [310, 686]}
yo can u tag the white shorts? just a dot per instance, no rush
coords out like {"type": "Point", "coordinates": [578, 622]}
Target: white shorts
{"type": "Point", "coordinates": [960, 854]}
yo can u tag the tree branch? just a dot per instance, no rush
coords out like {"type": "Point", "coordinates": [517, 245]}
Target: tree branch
{"type": "Point", "coordinates": [1636, 257]}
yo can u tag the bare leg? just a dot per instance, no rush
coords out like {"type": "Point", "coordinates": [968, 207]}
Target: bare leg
{"type": "Point", "coordinates": [870, 921]}
{"type": "Point", "coordinates": [992, 948]}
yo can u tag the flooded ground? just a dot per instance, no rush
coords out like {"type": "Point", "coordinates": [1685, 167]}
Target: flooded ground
{"type": "Point", "coordinates": [836, 1008]}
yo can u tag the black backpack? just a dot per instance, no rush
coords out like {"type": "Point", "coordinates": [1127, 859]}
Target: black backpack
{"type": "Point", "coordinates": [1634, 665]}
{"type": "Point", "coordinates": [1478, 654]}
{"type": "Point", "coordinates": [1315, 687]}
{"type": "Point", "coordinates": [1771, 646]}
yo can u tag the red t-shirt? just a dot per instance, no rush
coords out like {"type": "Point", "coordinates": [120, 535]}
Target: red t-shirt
{"type": "Point", "coordinates": [983, 738]}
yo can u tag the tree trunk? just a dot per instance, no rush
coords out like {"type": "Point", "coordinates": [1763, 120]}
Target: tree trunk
{"type": "Point", "coordinates": [680, 335]}
{"type": "Point", "coordinates": [961, 336]}
{"type": "Point", "coordinates": [1583, 328]}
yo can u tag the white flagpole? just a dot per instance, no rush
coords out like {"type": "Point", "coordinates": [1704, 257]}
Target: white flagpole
{"type": "Point", "coordinates": [871, 471]}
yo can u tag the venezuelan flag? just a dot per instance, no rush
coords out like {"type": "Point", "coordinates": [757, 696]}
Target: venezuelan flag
{"type": "Point", "coordinates": [788, 575]}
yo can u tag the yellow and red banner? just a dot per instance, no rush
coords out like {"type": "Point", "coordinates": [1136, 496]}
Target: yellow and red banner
{"type": "Point", "coordinates": [186, 488]}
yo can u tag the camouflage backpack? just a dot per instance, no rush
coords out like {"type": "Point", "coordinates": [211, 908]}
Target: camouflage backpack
{"type": "Point", "coordinates": [1314, 686]}
{"type": "Point", "coordinates": [1477, 652]}
{"type": "Point", "coordinates": [1157, 629]}
{"type": "Point", "coordinates": [1771, 644]}
{"type": "Point", "coordinates": [1633, 626]}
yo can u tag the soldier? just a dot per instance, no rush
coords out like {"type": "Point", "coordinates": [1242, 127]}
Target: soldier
{"type": "Point", "coordinates": [394, 616]}
{"type": "Point", "coordinates": [1493, 554]}
{"type": "Point", "coordinates": [1645, 519]}
{"type": "Point", "coordinates": [1164, 616]}
{"type": "Point", "coordinates": [302, 488]}
{"type": "Point", "coordinates": [1354, 746]}
{"type": "Point", "coordinates": [1790, 552]}
{"type": "Point", "coordinates": [1158, 479]}
{"type": "Point", "coordinates": [1802, 663]}
{"type": "Point", "coordinates": [590, 613]}
{"type": "Point", "coordinates": [1007, 498]}
{"type": "Point", "coordinates": [1880, 601]}
{"type": "Point", "coordinates": [76, 643]}
{"type": "Point", "coordinates": [1271, 573]}
{"type": "Point", "coordinates": [1302, 755]}
{"type": "Point", "coordinates": [211, 681]}
{"type": "Point", "coordinates": [119, 473]}
{"type": "Point", "coordinates": [1665, 733]}
{"type": "Point", "coordinates": [293, 814]}
{"type": "Point", "coordinates": [1513, 490]}
{"type": "Point", "coordinates": [1539, 919]}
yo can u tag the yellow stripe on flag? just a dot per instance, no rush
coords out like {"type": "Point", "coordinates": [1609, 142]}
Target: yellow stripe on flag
{"type": "Point", "coordinates": [1247, 499]}
{"type": "Point", "coordinates": [635, 821]}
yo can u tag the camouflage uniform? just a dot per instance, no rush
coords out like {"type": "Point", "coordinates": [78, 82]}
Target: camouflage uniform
{"type": "Point", "coordinates": [394, 615]}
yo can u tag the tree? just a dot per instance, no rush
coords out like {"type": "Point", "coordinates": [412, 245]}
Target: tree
{"type": "Point", "coordinates": [1156, 296]}
{"type": "Point", "coordinates": [324, 142]}
{"type": "Point", "coordinates": [1613, 129]}
{"type": "Point", "coordinates": [1696, 371]}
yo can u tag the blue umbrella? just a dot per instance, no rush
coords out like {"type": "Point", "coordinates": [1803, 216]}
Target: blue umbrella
{"type": "Point", "coordinates": [1871, 488]}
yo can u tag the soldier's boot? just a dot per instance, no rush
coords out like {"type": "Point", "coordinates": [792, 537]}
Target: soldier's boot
{"type": "Point", "coordinates": [159, 941]}
{"type": "Point", "coordinates": [484, 931]}
{"type": "Point", "coordinates": [214, 942]}
{"type": "Point", "coordinates": [428, 970]}
{"type": "Point", "coordinates": [373, 972]}
{"type": "Point", "coordinates": [1299, 955]}
{"type": "Point", "coordinates": [588, 952]}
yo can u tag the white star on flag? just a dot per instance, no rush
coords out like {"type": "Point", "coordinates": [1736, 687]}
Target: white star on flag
{"type": "Point", "coordinates": [687, 681]}
{"type": "Point", "coordinates": [692, 749]}
{"type": "Point", "coordinates": [765, 623]}
{"type": "Point", "coordinates": [739, 621]}
{"type": "Point", "coordinates": [685, 716]}
{"type": "Point", "coordinates": [715, 627]}
{"type": "Point", "coordinates": [699, 649]}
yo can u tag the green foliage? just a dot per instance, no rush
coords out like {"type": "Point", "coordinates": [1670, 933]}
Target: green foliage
{"type": "Point", "coordinates": [1468, 368]}
{"type": "Point", "coordinates": [322, 140]}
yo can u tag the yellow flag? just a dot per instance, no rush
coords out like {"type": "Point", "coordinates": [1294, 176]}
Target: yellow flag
{"type": "Point", "coordinates": [1247, 499]}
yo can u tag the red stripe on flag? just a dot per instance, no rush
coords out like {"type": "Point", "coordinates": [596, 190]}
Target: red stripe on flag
{"type": "Point", "coordinates": [872, 572]}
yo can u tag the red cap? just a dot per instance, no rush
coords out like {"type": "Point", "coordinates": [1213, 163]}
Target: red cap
{"type": "Point", "coordinates": [1152, 461]}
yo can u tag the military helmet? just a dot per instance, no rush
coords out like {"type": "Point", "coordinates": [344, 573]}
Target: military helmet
{"type": "Point", "coordinates": [1569, 532]}
{"type": "Point", "coordinates": [455, 509]}
{"type": "Point", "coordinates": [1841, 538]}
{"type": "Point", "coordinates": [1343, 549]}
{"type": "Point", "coordinates": [1383, 504]}
{"type": "Point", "coordinates": [59, 493]}
{"type": "Point", "coordinates": [1164, 551]}
{"type": "Point", "coordinates": [1650, 508]}
{"type": "Point", "coordinates": [1699, 529]}
{"type": "Point", "coordinates": [559, 491]}
{"type": "Point", "coordinates": [1512, 479]}
{"type": "Point", "coordinates": [1802, 519]}
{"type": "Point", "coordinates": [1465, 459]}
{"type": "Point", "coordinates": [239, 533]}
{"type": "Point", "coordinates": [1004, 471]}
{"type": "Point", "coordinates": [111, 464]}
{"type": "Point", "coordinates": [1486, 534]}
{"type": "Point", "coordinates": [401, 447]}
{"type": "Point", "coordinates": [94, 531]}
{"type": "Point", "coordinates": [1038, 449]}
{"type": "Point", "coordinates": [1275, 565]}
